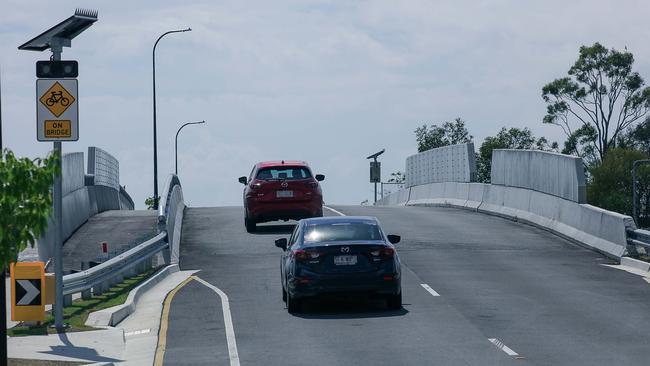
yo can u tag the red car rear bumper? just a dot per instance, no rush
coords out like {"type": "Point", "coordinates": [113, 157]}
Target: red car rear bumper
{"type": "Point", "coordinates": [261, 211]}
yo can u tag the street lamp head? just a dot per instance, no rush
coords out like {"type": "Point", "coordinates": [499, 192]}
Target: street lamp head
{"type": "Point", "coordinates": [187, 30]}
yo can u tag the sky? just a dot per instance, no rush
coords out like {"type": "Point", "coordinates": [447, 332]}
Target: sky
{"type": "Point", "coordinates": [328, 82]}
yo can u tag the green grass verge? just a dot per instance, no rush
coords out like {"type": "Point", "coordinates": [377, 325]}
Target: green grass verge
{"type": "Point", "coordinates": [75, 315]}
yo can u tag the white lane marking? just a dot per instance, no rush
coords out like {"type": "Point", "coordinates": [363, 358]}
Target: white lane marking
{"type": "Point", "coordinates": [227, 320]}
{"type": "Point", "coordinates": [137, 332]}
{"type": "Point", "coordinates": [500, 345]}
{"type": "Point", "coordinates": [429, 289]}
{"type": "Point", "coordinates": [335, 211]}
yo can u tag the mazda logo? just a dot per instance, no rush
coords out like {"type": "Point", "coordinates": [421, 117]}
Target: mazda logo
{"type": "Point", "coordinates": [284, 184]}
{"type": "Point", "coordinates": [345, 249]}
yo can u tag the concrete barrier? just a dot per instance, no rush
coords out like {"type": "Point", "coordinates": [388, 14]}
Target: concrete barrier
{"type": "Point", "coordinates": [552, 173]}
{"type": "Point", "coordinates": [599, 229]}
{"type": "Point", "coordinates": [85, 195]}
{"type": "Point", "coordinates": [454, 163]}
{"type": "Point", "coordinates": [170, 216]}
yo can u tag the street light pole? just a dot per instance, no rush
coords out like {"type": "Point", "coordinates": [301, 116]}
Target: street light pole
{"type": "Point", "coordinates": [155, 143]}
{"type": "Point", "coordinates": [176, 143]}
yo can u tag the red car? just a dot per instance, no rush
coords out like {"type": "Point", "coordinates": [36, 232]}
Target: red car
{"type": "Point", "coordinates": [281, 190]}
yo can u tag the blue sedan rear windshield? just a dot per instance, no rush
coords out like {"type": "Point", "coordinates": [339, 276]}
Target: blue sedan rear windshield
{"type": "Point", "coordinates": [341, 231]}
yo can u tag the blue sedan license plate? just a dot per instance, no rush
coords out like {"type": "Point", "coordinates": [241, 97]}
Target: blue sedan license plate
{"type": "Point", "coordinates": [345, 260]}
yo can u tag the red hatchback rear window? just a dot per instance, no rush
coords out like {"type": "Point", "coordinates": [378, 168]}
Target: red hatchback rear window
{"type": "Point", "coordinates": [284, 173]}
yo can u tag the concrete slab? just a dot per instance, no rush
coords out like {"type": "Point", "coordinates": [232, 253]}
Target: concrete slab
{"type": "Point", "coordinates": [116, 227]}
{"type": "Point", "coordinates": [105, 345]}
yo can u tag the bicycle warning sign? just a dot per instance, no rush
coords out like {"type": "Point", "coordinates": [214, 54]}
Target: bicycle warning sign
{"type": "Point", "coordinates": [56, 99]}
{"type": "Point", "coordinates": [57, 110]}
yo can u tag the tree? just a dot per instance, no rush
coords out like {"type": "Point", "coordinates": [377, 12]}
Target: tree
{"type": "Point", "coordinates": [602, 92]}
{"type": "Point", "coordinates": [25, 205]}
{"type": "Point", "coordinates": [25, 202]}
{"type": "Point", "coordinates": [450, 133]}
{"type": "Point", "coordinates": [397, 177]}
{"type": "Point", "coordinates": [637, 138]}
{"type": "Point", "coordinates": [149, 202]}
{"type": "Point", "coordinates": [581, 143]}
{"type": "Point", "coordinates": [513, 138]}
{"type": "Point", "coordinates": [611, 182]}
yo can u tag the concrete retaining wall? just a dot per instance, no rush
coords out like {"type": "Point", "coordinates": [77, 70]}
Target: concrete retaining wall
{"type": "Point", "coordinates": [81, 201]}
{"type": "Point", "coordinates": [556, 174]}
{"type": "Point", "coordinates": [454, 163]}
{"type": "Point", "coordinates": [591, 226]}
{"type": "Point", "coordinates": [170, 216]}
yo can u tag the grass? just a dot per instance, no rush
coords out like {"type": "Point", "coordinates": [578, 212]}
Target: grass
{"type": "Point", "coordinates": [75, 315]}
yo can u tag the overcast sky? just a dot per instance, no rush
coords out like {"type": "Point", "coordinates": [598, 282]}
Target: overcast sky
{"type": "Point", "coordinates": [326, 82]}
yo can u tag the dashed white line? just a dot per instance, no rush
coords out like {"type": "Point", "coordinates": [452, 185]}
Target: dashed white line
{"type": "Point", "coordinates": [500, 345]}
{"type": "Point", "coordinates": [227, 320]}
{"type": "Point", "coordinates": [335, 211]}
{"type": "Point", "coordinates": [429, 289]}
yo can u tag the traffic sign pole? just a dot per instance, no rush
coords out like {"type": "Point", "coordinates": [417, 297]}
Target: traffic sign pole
{"type": "Point", "coordinates": [57, 48]}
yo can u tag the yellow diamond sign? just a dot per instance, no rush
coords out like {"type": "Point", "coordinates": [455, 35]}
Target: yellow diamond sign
{"type": "Point", "coordinates": [56, 99]}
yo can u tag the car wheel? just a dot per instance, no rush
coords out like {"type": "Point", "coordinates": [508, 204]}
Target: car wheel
{"type": "Point", "coordinates": [251, 227]}
{"type": "Point", "coordinates": [284, 295]}
{"type": "Point", "coordinates": [293, 304]}
{"type": "Point", "coordinates": [394, 302]}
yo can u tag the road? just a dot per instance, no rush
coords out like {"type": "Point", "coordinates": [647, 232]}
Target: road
{"type": "Point", "coordinates": [550, 302]}
{"type": "Point", "coordinates": [116, 227]}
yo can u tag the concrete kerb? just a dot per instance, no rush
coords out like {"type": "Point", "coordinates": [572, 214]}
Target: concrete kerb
{"type": "Point", "coordinates": [582, 224]}
{"type": "Point", "coordinates": [636, 264]}
{"type": "Point", "coordinates": [114, 315]}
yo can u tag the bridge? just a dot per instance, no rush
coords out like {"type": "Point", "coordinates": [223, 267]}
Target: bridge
{"type": "Point", "coordinates": [519, 271]}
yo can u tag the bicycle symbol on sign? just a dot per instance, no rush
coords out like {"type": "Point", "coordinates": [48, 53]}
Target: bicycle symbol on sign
{"type": "Point", "coordinates": [57, 97]}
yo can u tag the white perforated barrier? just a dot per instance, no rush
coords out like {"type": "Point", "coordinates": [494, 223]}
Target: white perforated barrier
{"type": "Point", "coordinates": [454, 163]}
{"type": "Point", "coordinates": [552, 173]}
{"type": "Point", "coordinates": [104, 167]}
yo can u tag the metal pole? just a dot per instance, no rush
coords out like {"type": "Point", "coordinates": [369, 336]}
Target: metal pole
{"type": "Point", "coordinates": [155, 143]}
{"type": "Point", "coordinates": [3, 290]}
{"type": "Point", "coordinates": [176, 143]}
{"type": "Point", "coordinates": [57, 198]}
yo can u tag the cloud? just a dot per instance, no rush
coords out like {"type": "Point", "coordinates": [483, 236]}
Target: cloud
{"type": "Point", "coordinates": [324, 81]}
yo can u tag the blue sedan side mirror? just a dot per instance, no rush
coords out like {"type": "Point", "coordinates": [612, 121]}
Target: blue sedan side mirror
{"type": "Point", "coordinates": [281, 243]}
{"type": "Point", "coordinates": [394, 239]}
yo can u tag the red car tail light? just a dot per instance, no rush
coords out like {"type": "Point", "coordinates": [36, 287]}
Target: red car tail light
{"type": "Point", "coordinates": [303, 255]}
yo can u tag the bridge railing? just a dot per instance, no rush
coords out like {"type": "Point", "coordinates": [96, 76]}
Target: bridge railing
{"type": "Point", "coordinates": [638, 241]}
{"type": "Point", "coordinates": [98, 279]}
{"type": "Point", "coordinates": [114, 270]}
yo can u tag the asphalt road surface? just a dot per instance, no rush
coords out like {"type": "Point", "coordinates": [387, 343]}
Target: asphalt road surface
{"type": "Point", "coordinates": [116, 227]}
{"type": "Point", "coordinates": [509, 294]}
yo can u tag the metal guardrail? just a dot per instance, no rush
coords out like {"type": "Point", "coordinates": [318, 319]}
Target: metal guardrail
{"type": "Point", "coordinates": [638, 238]}
{"type": "Point", "coordinates": [114, 267]}
{"type": "Point", "coordinates": [130, 262]}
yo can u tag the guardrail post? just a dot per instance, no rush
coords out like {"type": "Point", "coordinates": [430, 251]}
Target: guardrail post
{"type": "Point", "coordinates": [98, 289]}
{"type": "Point", "coordinates": [86, 294]}
{"type": "Point", "coordinates": [67, 300]}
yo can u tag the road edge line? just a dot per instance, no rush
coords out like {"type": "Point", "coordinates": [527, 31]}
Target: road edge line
{"type": "Point", "coordinates": [335, 211]}
{"type": "Point", "coordinates": [227, 320]}
{"type": "Point", "coordinates": [164, 323]}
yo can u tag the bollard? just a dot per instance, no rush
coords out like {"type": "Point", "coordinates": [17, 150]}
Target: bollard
{"type": "Point", "coordinates": [67, 300]}
{"type": "Point", "coordinates": [86, 294]}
